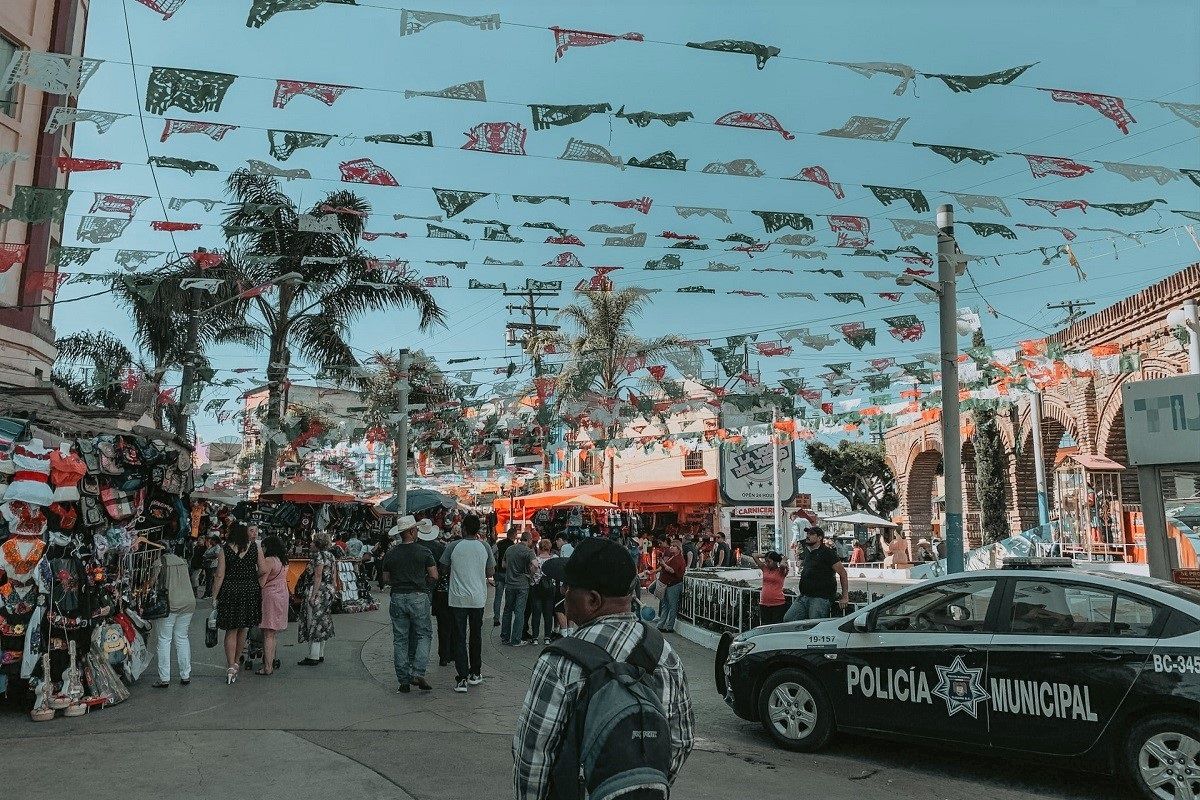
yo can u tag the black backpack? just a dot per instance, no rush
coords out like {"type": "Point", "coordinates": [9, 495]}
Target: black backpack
{"type": "Point", "coordinates": [616, 740]}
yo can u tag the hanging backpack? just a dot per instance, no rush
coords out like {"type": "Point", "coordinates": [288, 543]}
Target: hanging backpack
{"type": "Point", "coordinates": [616, 737]}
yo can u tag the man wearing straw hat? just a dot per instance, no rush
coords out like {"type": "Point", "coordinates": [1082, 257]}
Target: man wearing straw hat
{"type": "Point", "coordinates": [410, 570]}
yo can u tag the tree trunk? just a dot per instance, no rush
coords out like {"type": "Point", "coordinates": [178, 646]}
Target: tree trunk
{"type": "Point", "coordinates": [276, 375]}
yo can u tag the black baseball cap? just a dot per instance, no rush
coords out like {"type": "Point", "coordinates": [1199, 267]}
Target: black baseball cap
{"type": "Point", "coordinates": [596, 564]}
{"type": "Point", "coordinates": [813, 529]}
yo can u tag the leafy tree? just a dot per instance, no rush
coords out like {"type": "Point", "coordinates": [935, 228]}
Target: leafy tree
{"type": "Point", "coordinates": [990, 480]}
{"type": "Point", "coordinates": [338, 284]}
{"type": "Point", "coordinates": [602, 343]}
{"type": "Point", "coordinates": [858, 472]}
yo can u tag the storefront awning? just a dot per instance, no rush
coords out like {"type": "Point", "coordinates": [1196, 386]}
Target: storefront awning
{"type": "Point", "coordinates": [683, 491]}
{"type": "Point", "coordinates": [306, 491]}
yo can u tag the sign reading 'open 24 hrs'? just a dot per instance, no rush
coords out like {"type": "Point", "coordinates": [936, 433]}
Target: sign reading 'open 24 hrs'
{"type": "Point", "coordinates": [746, 474]}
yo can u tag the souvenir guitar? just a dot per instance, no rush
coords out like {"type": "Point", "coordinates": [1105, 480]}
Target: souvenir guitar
{"type": "Point", "coordinates": [72, 685]}
{"type": "Point", "coordinates": [43, 710]}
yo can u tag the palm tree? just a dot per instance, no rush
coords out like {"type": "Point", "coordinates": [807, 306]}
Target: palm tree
{"type": "Point", "coordinates": [160, 312]}
{"type": "Point", "coordinates": [337, 285]}
{"type": "Point", "coordinates": [601, 346]}
{"type": "Point", "coordinates": [101, 354]}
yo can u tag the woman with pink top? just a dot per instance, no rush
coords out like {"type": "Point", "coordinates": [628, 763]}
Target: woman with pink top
{"type": "Point", "coordinates": [272, 577]}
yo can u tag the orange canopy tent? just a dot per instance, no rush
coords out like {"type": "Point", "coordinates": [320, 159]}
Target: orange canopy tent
{"type": "Point", "coordinates": [649, 495]}
{"type": "Point", "coordinates": [306, 491]}
{"type": "Point", "coordinates": [587, 501]}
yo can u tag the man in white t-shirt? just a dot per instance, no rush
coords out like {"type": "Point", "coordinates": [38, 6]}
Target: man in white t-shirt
{"type": "Point", "coordinates": [471, 567]}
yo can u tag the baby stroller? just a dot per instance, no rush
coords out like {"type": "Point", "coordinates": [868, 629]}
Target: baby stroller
{"type": "Point", "coordinates": [254, 649]}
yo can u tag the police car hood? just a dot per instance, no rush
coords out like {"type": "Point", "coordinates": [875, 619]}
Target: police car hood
{"type": "Point", "coordinates": [783, 627]}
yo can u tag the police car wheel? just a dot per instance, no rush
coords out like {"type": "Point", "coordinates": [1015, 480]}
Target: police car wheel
{"type": "Point", "coordinates": [795, 711]}
{"type": "Point", "coordinates": [1162, 757]}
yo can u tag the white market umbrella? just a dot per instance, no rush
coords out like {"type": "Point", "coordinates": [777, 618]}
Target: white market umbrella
{"type": "Point", "coordinates": [863, 518]}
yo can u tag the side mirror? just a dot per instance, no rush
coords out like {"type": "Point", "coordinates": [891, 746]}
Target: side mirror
{"type": "Point", "coordinates": [862, 623]}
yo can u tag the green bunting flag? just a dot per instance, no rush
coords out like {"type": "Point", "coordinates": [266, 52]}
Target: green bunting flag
{"type": "Point", "coordinates": [1137, 172]}
{"type": "Point", "coordinates": [133, 259]}
{"type": "Point", "coordinates": [545, 116]}
{"type": "Point", "coordinates": [668, 262]}
{"type": "Point", "coordinates": [472, 283]}
{"type": "Point", "coordinates": [455, 201]}
{"type": "Point", "coordinates": [970, 202]}
{"type": "Point", "coordinates": [871, 128]}
{"type": "Point", "coordinates": [742, 167]}
{"type": "Point", "coordinates": [664, 160]}
{"type": "Point", "coordinates": [579, 150]}
{"type": "Point", "coordinates": [622, 229]}
{"type": "Point", "coordinates": [1127, 209]}
{"type": "Point", "coordinates": [846, 297]}
{"type": "Point", "coordinates": [778, 220]}
{"type": "Point", "coordinates": [438, 232]}
{"type": "Point", "coordinates": [990, 228]}
{"type": "Point", "coordinates": [888, 194]}
{"type": "Point", "coordinates": [969, 83]}
{"type": "Point", "coordinates": [717, 266]}
{"type": "Point", "coordinates": [761, 52]}
{"type": "Point", "coordinates": [819, 341]}
{"type": "Point", "coordinates": [190, 89]}
{"type": "Point", "coordinates": [741, 339]}
{"type": "Point", "coordinates": [284, 143]}
{"type": "Point", "coordinates": [263, 10]}
{"type": "Point", "coordinates": [1189, 214]}
{"type": "Point", "coordinates": [877, 383]}
{"type": "Point", "coordinates": [644, 118]}
{"type": "Point", "coordinates": [538, 199]}
{"type": "Point", "coordinates": [64, 257]}
{"type": "Point", "coordinates": [99, 230]}
{"type": "Point", "coordinates": [731, 359]}
{"type": "Point", "coordinates": [856, 335]}
{"type": "Point", "coordinates": [1187, 112]}
{"type": "Point", "coordinates": [187, 165]}
{"type": "Point", "coordinates": [550, 226]}
{"type": "Point", "coordinates": [471, 90]}
{"type": "Point", "coordinates": [144, 286]}
{"type": "Point", "coordinates": [838, 369]}
{"type": "Point", "coordinates": [922, 373]}
{"type": "Point", "coordinates": [869, 69]}
{"type": "Point", "coordinates": [419, 139]}
{"type": "Point", "coordinates": [37, 204]}
{"type": "Point", "coordinates": [695, 290]}
{"type": "Point", "coordinates": [905, 328]}
{"type": "Point", "coordinates": [960, 154]}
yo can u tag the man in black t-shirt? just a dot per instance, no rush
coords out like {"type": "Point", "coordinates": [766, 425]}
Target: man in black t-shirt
{"type": "Point", "coordinates": [820, 569]}
{"type": "Point", "coordinates": [411, 571]}
{"type": "Point", "coordinates": [722, 555]}
{"type": "Point", "coordinates": [502, 545]}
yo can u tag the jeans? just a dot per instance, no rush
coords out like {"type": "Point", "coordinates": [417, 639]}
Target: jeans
{"type": "Point", "coordinates": [498, 600]}
{"type": "Point", "coordinates": [411, 632]}
{"type": "Point", "coordinates": [445, 626]}
{"type": "Point", "coordinates": [468, 643]}
{"type": "Point", "coordinates": [669, 607]}
{"type": "Point", "coordinates": [174, 627]}
{"type": "Point", "coordinates": [542, 603]}
{"type": "Point", "coordinates": [804, 607]}
{"type": "Point", "coordinates": [515, 597]}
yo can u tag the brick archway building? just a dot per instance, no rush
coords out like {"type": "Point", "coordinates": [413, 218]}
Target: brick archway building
{"type": "Point", "coordinates": [1085, 409]}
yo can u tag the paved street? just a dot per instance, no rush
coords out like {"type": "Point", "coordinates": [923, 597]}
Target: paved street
{"type": "Point", "coordinates": [341, 729]}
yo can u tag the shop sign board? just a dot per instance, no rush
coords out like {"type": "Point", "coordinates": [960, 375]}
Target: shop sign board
{"type": "Point", "coordinates": [746, 474]}
{"type": "Point", "coordinates": [1162, 420]}
{"type": "Point", "coordinates": [1186, 577]}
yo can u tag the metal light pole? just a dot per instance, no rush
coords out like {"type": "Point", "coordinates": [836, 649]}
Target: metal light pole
{"type": "Point", "coordinates": [776, 510]}
{"type": "Point", "coordinates": [403, 387]}
{"type": "Point", "coordinates": [1039, 456]}
{"type": "Point", "coordinates": [189, 363]}
{"type": "Point", "coordinates": [951, 437]}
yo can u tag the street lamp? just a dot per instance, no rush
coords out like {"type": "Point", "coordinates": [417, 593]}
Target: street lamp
{"type": "Point", "coordinates": [950, 266]}
{"type": "Point", "coordinates": [1187, 317]}
{"type": "Point", "coordinates": [189, 358]}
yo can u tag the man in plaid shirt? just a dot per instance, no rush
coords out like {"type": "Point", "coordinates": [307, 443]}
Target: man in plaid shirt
{"type": "Point", "coordinates": [597, 582]}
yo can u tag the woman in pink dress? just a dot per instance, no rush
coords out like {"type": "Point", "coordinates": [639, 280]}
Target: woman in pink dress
{"type": "Point", "coordinates": [272, 576]}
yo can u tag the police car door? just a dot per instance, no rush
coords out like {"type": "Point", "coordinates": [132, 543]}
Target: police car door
{"type": "Point", "coordinates": [1064, 658]}
{"type": "Point", "coordinates": [921, 667]}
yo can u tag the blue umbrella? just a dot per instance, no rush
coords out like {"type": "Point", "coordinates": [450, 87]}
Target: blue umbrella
{"type": "Point", "coordinates": [420, 500]}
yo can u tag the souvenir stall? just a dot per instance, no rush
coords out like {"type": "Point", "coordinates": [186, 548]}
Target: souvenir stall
{"type": "Point", "coordinates": [88, 503]}
{"type": "Point", "coordinates": [296, 511]}
{"type": "Point", "coordinates": [1088, 501]}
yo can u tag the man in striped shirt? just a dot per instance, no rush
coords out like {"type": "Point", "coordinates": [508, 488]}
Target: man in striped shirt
{"type": "Point", "coordinates": [597, 582]}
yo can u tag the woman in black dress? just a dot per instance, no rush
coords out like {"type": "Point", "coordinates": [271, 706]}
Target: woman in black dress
{"type": "Point", "coordinates": [238, 595]}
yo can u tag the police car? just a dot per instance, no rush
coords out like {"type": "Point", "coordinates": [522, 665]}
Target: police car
{"type": "Point", "coordinates": [1101, 670]}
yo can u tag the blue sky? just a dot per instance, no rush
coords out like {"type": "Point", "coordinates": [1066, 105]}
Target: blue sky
{"type": "Point", "coordinates": [1116, 48]}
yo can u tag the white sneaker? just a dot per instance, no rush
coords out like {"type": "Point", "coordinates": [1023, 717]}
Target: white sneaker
{"type": "Point", "coordinates": [474, 680]}
{"type": "Point", "coordinates": [460, 685]}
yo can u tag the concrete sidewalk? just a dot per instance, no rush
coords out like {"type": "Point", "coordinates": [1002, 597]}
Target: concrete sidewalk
{"type": "Point", "coordinates": [341, 729]}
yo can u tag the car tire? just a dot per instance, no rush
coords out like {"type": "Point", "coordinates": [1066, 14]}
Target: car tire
{"type": "Point", "coordinates": [795, 711]}
{"type": "Point", "coordinates": [1161, 757]}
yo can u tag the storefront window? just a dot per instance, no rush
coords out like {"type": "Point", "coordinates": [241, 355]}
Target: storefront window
{"type": "Point", "coordinates": [8, 97]}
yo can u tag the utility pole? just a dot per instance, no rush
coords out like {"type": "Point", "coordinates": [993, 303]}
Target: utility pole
{"type": "Point", "coordinates": [1071, 307]}
{"type": "Point", "coordinates": [776, 507]}
{"type": "Point", "coordinates": [531, 346]}
{"type": "Point", "coordinates": [1039, 457]}
{"type": "Point", "coordinates": [948, 329]}
{"type": "Point", "coordinates": [189, 363]}
{"type": "Point", "coordinates": [403, 387]}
